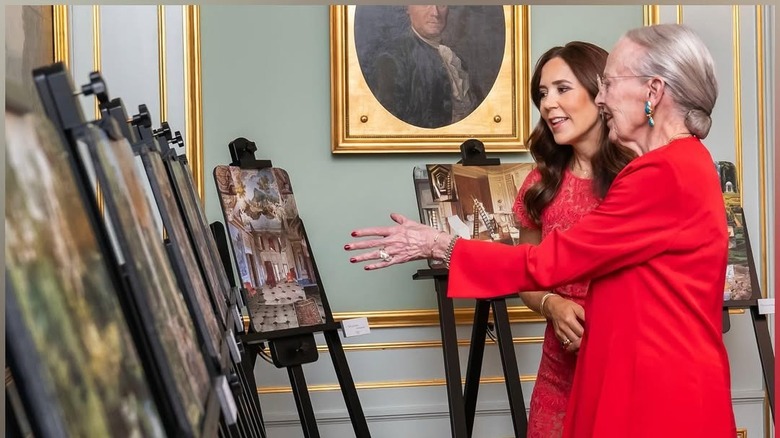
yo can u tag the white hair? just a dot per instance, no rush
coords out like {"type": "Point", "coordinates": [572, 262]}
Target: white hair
{"type": "Point", "coordinates": [675, 53]}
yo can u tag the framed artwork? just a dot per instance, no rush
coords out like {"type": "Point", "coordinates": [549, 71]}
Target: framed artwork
{"type": "Point", "coordinates": [189, 187]}
{"type": "Point", "coordinates": [189, 206]}
{"type": "Point", "coordinates": [182, 256]}
{"type": "Point", "coordinates": [741, 288]}
{"type": "Point", "coordinates": [77, 368]}
{"type": "Point", "coordinates": [166, 316]}
{"type": "Point", "coordinates": [271, 251]}
{"type": "Point", "coordinates": [473, 202]}
{"type": "Point", "coordinates": [426, 78]}
{"type": "Point", "coordinates": [132, 241]}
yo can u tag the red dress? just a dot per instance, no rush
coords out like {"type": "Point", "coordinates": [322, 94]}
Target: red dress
{"type": "Point", "coordinates": [574, 199]}
{"type": "Point", "coordinates": [652, 360]}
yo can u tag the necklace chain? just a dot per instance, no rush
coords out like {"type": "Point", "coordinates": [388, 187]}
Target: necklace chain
{"type": "Point", "coordinates": [581, 171]}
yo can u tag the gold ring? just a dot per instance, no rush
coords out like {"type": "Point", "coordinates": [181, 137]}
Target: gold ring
{"type": "Point", "coordinates": [565, 342]}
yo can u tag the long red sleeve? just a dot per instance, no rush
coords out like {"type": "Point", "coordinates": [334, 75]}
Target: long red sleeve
{"type": "Point", "coordinates": [637, 220]}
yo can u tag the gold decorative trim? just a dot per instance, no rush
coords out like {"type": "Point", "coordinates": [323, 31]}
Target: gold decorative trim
{"type": "Point", "coordinates": [761, 147]}
{"type": "Point", "coordinates": [161, 66]}
{"type": "Point", "coordinates": [430, 317]}
{"type": "Point", "coordinates": [679, 18]}
{"type": "Point", "coordinates": [524, 72]}
{"type": "Point", "coordinates": [96, 62]}
{"type": "Point", "coordinates": [737, 99]}
{"type": "Point", "coordinates": [61, 34]}
{"type": "Point", "coordinates": [96, 66]}
{"type": "Point", "coordinates": [387, 385]}
{"type": "Point", "coordinates": [741, 433]}
{"type": "Point", "coordinates": [423, 344]}
{"type": "Point", "coordinates": [193, 99]}
{"type": "Point", "coordinates": [651, 15]}
{"type": "Point", "coordinates": [426, 317]}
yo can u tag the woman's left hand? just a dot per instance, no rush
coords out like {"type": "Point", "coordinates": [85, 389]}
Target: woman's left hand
{"type": "Point", "coordinates": [407, 241]}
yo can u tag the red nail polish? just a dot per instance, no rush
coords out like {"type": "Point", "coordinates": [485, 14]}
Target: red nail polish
{"type": "Point", "coordinates": [352, 260]}
{"type": "Point", "coordinates": [366, 268]}
{"type": "Point", "coordinates": [346, 247]}
{"type": "Point", "coordinates": [354, 234]}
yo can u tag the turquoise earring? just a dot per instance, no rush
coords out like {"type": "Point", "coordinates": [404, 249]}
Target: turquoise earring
{"type": "Point", "coordinates": [649, 114]}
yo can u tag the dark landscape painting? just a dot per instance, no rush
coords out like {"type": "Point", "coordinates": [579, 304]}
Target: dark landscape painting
{"type": "Point", "coordinates": [65, 300]}
{"type": "Point", "coordinates": [178, 232]}
{"type": "Point", "coordinates": [142, 243]}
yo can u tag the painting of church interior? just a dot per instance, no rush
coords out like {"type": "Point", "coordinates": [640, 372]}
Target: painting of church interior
{"type": "Point", "coordinates": [270, 248]}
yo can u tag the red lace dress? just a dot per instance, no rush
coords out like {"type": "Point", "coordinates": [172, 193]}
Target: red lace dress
{"type": "Point", "coordinates": [574, 200]}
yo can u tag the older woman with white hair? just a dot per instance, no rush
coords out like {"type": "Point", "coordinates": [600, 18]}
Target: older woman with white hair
{"type": "Point", "coordinates": [652, 359]}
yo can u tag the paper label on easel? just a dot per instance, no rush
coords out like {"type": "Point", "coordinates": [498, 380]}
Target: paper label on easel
{"type": "Point", "coordinates": [226, 400]}
{"type": "Point", "coordinates": [233, 347]}
{"type": "Point", "coordinates": [766, 306]}
{"type": "Point", "coordinates": [355, 327]}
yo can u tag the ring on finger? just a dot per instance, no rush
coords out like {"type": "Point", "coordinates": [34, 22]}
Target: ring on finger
{"type": "Point", "coordinates": [384, 255]}
{"type": "Point", "coordinates": [565, 342]}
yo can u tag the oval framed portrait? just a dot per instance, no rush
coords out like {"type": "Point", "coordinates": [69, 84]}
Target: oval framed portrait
{"type": "Point", "coordinates": [424, 78]}
{"type": "Point", "coordinates": [425, 63]}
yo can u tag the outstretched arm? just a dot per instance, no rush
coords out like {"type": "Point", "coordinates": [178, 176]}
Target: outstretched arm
{"type": "Point", "coordinates": [638, 219]}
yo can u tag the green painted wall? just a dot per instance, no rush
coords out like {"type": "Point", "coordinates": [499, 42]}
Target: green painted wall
{"type": "Point", "coordinates": [266, 77]}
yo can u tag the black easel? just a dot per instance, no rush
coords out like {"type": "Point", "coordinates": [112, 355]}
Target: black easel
{"type": "Point", "coordinates": [55, 89]}
{"type": "Point", "coordinates": [760, 323]}
{"type": "Point", "coordinates": [463, 402]}
{"type": "Point", "coordinates": [250, 419]}
{"type": "Point", "coordinates": [296, 347]}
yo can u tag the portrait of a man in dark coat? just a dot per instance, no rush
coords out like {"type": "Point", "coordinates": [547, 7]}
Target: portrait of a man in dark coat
{"type": "Point", "coordinates": [430, 65]}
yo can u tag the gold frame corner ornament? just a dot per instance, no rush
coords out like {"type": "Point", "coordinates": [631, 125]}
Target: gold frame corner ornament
{"type": "Point", "coordinates": [388, 134]}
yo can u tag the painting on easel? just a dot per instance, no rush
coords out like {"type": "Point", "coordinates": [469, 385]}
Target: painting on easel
{"type": "Point", "coordinates": [473, 202]}
{"type": "Point", "coordinates": [271, 249]}
{"type": "Point", "coordinates": [741, 284]}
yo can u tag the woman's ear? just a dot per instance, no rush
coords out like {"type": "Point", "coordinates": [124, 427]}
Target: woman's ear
{"type": "Point", "coordinates": [656, 89]}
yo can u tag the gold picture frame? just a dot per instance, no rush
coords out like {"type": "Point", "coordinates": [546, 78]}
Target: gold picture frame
{"type": "Point", "coordinates": [361, 124]}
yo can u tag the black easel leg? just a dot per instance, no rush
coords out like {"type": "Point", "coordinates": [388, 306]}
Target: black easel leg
{"type": "Point", "coordinates": [303, 402]}
{"type": "Point", "coordinates": [347, 384]}
{"type": "Point", "coordinates": [474, 366]}
{"type": "Point", "coordinates": [765, 352]}
{"type": "Point", "coordinates": [250, 400]}
{"type": "Point", "coordinates": [511, 374]}
{"type": "Point", "coordinates": [449, 339]}
{"type": "Point", "coordinates": [248, 360]}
